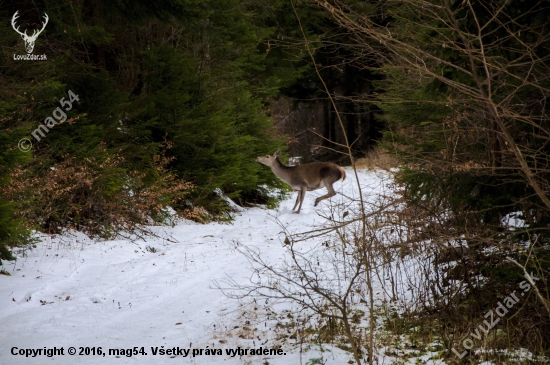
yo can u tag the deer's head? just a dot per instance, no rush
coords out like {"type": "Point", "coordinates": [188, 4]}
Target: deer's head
{"type": "Point", "coordinates": [269, 159]}
{"type": "Point", "coordinates": [29, 40]}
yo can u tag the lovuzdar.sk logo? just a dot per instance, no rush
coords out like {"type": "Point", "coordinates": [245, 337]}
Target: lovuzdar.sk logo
{"type": "Point", "coordinates": [29, 39]}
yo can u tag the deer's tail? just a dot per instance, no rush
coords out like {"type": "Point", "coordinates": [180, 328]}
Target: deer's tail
{"type": "Point", "coordinates": [343, 172]}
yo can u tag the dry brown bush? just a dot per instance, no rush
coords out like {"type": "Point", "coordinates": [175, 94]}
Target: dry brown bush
{"type": "Point", "coordinates": [96, 195]}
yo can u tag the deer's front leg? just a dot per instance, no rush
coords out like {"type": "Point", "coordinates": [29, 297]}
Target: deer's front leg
{"type": "Point", "coordinates": [302, 196]}
{"type": "Point", "coordinates": [297, 199]}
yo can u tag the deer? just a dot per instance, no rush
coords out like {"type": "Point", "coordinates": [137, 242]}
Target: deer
{"type": "Point", "coordinates": [306, 177]}
{"type": "Point", "coordinates": [29, 40]}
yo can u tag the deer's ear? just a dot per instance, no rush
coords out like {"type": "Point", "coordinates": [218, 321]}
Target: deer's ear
{"type": "Point", "coordinates": [277, 153]}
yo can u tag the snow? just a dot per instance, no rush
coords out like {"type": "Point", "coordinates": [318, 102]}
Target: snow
{"type": "Point", "coordinates": [159, 291]}
{"type": "Point", "coordinates": [514, 221]}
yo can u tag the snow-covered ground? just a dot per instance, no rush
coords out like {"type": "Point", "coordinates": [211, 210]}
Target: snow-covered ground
{"type": "Point", "coordinates": [156, 294]}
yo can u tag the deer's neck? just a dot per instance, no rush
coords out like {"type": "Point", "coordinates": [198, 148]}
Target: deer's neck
{"type": "Point", "coordinates": [283, 172]}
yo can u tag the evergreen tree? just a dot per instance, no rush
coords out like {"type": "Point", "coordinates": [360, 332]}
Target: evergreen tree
{"type": "Point", "coordinates": [169, 106]}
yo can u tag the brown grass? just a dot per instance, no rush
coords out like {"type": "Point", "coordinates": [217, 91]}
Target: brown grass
{"type": "Point", "coordinates": [377, 158]}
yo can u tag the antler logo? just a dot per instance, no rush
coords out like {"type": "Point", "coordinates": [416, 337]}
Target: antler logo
{"type": "Point", "coordinates": [29, 40]}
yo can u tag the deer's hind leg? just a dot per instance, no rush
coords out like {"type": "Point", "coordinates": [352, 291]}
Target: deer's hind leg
{"type": "Point", "coordinates": [330, 189]}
